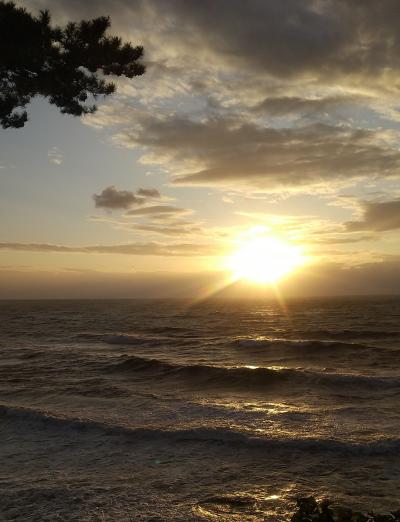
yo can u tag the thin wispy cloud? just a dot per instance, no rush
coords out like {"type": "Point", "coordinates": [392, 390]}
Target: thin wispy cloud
{"type": "Point", "coordinates": [149, 193]}
{"type": "Point", "coordinates": [158, 210]}
{"type": "Point", "coordinates": [55, 156]}
{"type": "Point", "coordinates": [134, 249]}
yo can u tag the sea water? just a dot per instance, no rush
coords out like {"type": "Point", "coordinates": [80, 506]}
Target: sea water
{"type": "Point", "coordinates": [170, 410]}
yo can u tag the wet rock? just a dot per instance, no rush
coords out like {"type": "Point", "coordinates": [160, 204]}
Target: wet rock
{"type": "Point", "coordinates": [360, 517]}
{"type": "Point", "coordinates": [309, 510]}
{"type": "Point", "coordinates": [342, 514]}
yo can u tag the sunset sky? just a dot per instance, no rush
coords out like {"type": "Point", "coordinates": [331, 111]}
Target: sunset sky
{"type": "Point", "coordinates": [257, 118]}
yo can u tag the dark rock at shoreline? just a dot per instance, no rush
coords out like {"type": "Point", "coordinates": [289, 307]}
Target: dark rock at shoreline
{"type": "Point", "coordinates": [309, 510]}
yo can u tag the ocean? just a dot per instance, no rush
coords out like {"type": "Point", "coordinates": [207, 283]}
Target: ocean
{"type": "Point", "coordinates": [170, 410]}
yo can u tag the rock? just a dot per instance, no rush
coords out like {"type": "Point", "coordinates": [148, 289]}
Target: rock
{"type": "Point", "coordinates": [342, 514]}
{"type": "Point", "coordinates": [309, 510]}
{"type": "Point", "coordinates": [307, 505]}
{"type": "Point", "coordinates": [360, 517]}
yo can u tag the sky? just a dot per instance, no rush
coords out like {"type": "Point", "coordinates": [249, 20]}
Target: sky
{"type": "Point", "coordinates": [253, 119]}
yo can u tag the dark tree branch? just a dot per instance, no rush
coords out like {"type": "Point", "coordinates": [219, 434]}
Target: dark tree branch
{"type": "Point", "coordinates": [61, 64]}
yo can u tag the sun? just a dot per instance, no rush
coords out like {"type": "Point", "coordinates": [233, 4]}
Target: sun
{"type": "Point", "coordinates": [264, 260]}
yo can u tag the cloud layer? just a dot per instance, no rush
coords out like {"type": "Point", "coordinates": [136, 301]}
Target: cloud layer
{"type": "Point", "coordinates": [111, 198]}
{"type": "Point", "coordinates": [291, 38]}
{"type": "Point", "coordinates": [133, 249]}
{"type": "Point", "coordinates": [231, 152]}
{"type": "Point", "coordinates": [378, 216]}
{"type": "Point", "coordinates": [259, 99]}
{"type": "Point", "coordinates": [220, 75]}
{"type": "Point", "coordinates": [150, 217]}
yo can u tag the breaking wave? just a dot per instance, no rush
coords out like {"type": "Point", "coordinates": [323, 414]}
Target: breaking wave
{"type": "Point", "coordinates": [86, 427]}
{"type": "Point", "coordinates": [243, 377]}
{"type": "Point", "coordinates": [303, 346]}
{"type": "Point", "coordinates": [356, 334]}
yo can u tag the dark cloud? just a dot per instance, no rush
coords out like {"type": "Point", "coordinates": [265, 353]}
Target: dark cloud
{"type": "Point", "coordinates": [227, 151]}
{"type": "Point", "coordinates": [166, 220]}
{"type": "Point", "coordinates": [111, 198]}
{"type": "Point", "coordinates": [149, 193]}
{"type": "Point", "coordinates": [134, 249]}
{"type": "Point", "coordinates": [297, 37]}
{"type": "Point", "coordinates": [378, 216]}
{"type": "Point", "coordinates": [289, 38]}
{"type": "Point", "coordinates": [286, 105]}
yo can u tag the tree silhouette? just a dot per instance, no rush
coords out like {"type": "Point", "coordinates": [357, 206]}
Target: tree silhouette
{"type": "Point", "coordinates": [66, 65]}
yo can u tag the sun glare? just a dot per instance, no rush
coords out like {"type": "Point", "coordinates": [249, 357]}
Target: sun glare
{"type": "Point", "coordinates": [264, 260]}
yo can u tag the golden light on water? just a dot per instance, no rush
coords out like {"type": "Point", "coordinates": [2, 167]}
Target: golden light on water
{"type": "Point", "coordinates": [264, 260]}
